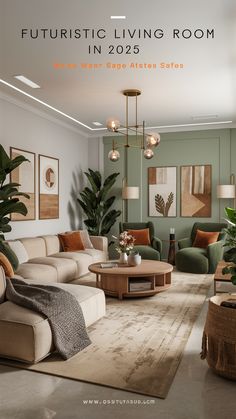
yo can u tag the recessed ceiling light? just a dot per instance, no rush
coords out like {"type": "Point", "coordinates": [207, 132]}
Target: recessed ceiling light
{"type": "Point", "coordinates": [118, 17]}
{"type": "Point", "coordinates": [29, 82]}
{"type": "Point", "coordinates": [98, 124]}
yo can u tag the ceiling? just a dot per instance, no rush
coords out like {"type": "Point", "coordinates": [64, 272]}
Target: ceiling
{"type": "Point", "coordinates": [203, 91]}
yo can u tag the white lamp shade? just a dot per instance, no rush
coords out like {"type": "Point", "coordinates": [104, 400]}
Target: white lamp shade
{"type": "Point", "coordinates": [130, 192]}
{"type": "Point", "coordinates": [226, 191]}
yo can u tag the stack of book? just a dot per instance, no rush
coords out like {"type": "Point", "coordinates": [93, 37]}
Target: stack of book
{"type": "Point", "coordinates": [139, 284]}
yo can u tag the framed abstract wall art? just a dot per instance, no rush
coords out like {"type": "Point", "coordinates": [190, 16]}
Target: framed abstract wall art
{"type": "Point", "coordinates": [195, 191]}
{"type": "Point", "coordinates": [48, 187]}
{"type": "Point", "coordinates": [25, 176]}
{"type": "Point", "coordinates": [162, 191]}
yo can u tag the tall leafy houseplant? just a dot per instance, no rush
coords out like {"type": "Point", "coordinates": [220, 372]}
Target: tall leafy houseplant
{"type": "Point", "coordinates": [9, 194]}
{"type": "Point", "coordinates": [96, 205]}
{"type": "Point", "coordinates": [230, 254]}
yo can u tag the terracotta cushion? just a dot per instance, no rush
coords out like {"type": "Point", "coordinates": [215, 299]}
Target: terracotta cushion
{"type": "Point", "coordinates": [84, 237]}
{"type": "Point", "coordinates": [71, 242]}
{"type": "Point", "coordinates": [4, 262]}
{"type": "Point", "coordinates": [204, 238]}
{"type": "Point", "coordinates": [142, 237]}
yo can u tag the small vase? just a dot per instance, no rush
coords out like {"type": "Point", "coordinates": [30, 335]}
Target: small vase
{"type": "Point", "coordinates": [134, 259]}
{"type": "Point", "coordinates": [123, 258]}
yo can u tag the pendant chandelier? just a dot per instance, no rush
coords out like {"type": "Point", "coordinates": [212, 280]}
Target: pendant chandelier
{"type": "Point", "coordinates": [148, 140]}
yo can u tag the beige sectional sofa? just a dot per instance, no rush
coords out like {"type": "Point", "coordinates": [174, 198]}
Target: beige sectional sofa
{"type": "Point", "coordinates": [26, 335]}
{"type": "Point", "coordinates": [47, 262]}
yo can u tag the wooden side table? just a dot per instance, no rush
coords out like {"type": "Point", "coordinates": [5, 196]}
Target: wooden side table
{"type": "Point", "coordinates": [219, 277]}
{"type": "Point", "coordinates": [172, 251]}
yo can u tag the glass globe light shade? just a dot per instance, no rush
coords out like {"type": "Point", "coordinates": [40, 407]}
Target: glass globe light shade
{"type": "Point", "coordinates": [153, 139]}
{"type": "Point", "coordinates": [148, 153]}
{"type": "Point", "coordinates": [113, 124]}
{"type": "Point", "coordinates": [113, 155]}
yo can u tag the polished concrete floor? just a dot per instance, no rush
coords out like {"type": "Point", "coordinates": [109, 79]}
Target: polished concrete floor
{"type": "Point", "coordinates": [196, 393]}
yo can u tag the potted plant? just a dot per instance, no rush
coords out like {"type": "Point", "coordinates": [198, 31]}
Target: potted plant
{"type": "Point", "coordinates": [9, 198]}
{"type": "Point", "coordinates": [97, 205]}
{"type": "Point", "coordinates": [219, 337]}
{"type": "Point", "coordinates": [230, 254]}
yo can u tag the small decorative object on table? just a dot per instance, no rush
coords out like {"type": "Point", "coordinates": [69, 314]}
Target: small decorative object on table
{"type": "Point", "coordinates": [125, 244]}
{"type": "Point", "coordinates": [134, 258]}
{"type": "Point", "coordinates": [171, 254]}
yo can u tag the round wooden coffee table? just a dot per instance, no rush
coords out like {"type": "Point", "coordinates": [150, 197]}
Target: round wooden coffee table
{"type": "Point", "coordinates": [146, 279]}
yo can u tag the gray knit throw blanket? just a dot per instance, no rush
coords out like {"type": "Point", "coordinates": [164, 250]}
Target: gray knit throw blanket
{"type": "Point", "coordinates": [62, 310]}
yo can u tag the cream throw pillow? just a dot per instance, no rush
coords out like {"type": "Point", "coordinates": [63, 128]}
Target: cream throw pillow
{"type": "Point", "coordinates": [19, 250]}
{"type": "Point", "coordinates": [85, 239]}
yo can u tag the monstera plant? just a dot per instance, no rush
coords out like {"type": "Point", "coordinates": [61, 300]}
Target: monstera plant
{"type": "Point", "coordinates": [230, 254]}
{"type": "Point", "coordinates": [97, 205]}
{"type": "Point", "coordinates": [9, 194]}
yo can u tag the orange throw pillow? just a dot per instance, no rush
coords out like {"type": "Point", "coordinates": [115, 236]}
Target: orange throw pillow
{"type": "Point", "coordinates": [71, 242]}
{"type": "Point", "coordinates": [142, 237]}
{"type": "Point", "coordinates": [204, 238]}
{"type": "Point", "coordinates": [4, 262]}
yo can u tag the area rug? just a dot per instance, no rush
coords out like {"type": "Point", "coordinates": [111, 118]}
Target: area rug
{"type": "Point", "coordinates": [138, 345]}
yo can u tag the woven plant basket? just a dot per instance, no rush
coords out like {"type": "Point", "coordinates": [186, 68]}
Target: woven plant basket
{"type": "Point", "coordinates": [219, 337]}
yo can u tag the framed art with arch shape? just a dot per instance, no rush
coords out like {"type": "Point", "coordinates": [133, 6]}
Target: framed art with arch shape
{"type": "Point", "coordinates": [48, 187]}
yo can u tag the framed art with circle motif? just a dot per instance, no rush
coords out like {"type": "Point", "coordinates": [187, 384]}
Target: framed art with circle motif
{"type": "Point", "coordinates": [48, 187]}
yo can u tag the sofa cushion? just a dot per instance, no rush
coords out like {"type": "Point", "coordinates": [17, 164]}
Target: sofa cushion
{"type": "Point", "coordinates": [85, 239]}
{"type": "Point", "coordinates": [92, 301]}
{"type": "Point", "coordinates": [97, 255]}
{"type": "Point", "coordinates": [82, 259]}
{"type": "Point", "coordinates": [71, 242]}
{"type": "Point", "coordinates": [204, 238]}
{"type": "Point", "coordinates": [66, 268]}
{"type": "Point", "coordinates": [25, 335]}
{"type": "Point", "coordinates": [19, 249]}
{"type": "Point", "coordinates": [142, 237]}
{"type": "Point", "coordinates": [192, 259]}
{"type": "Point", "coordinates": [39, 272]}
{"type": "Point", "coordinates": [2, 285]}
{"type": "Point", "coordinates": [52, 244]}
{"type": "Point", "coordinates": [35, 246]}
{"type": "Point", "coordinates": [4, 262]}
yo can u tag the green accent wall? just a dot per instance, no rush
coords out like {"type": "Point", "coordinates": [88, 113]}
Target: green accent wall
{"type": "Point", "coordinates": [214, 147]}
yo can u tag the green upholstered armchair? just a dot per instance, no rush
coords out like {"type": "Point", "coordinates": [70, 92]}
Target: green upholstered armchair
{"type": "Point", "coordinates": [152, 251]}
{"type": "Point", "coordinates": [196, 259]}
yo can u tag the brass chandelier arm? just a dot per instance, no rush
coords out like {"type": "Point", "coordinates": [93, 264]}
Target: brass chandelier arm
{"type": "Point", "coordinates": [148, 140]}
{"type": "Point", "coordinates": [116, 147]}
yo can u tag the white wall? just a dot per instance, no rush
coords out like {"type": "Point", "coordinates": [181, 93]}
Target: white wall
{"type": "Point", "coordinates": [29, 129]}
{"type": "Point", "coordinates": [96, 154]}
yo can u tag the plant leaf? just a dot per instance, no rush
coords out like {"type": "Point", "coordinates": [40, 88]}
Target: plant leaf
{"type": "Point", "coordinates": [231, 214]}
{"type": "Point", "coordinates": [169, 202]}
{"type": "Point", "coordinates": [233, 279]}
{"type": "Point", "coordinates": [160, 204]}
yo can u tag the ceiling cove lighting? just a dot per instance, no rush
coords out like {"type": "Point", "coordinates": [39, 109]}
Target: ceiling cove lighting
{"type": "Point", "coordinates": [103, 128]}
{"type": "Point", "coordinates": [201, 117]}
{"type": "Point", "coordinates": [48, 106]}
{"type": "Point", "coordinates": [27, 81]}
{"type": "Point", "coordinates": [191, 125]}
{"type": "Point", "coordinates": [148, 141]}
